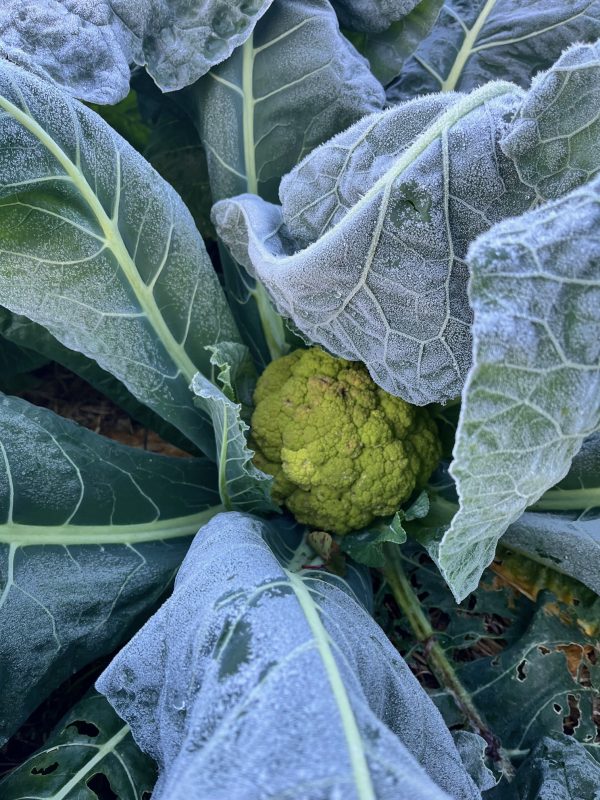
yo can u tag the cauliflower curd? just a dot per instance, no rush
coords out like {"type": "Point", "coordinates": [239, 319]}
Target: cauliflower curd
{"type": "Point", "coordinates": [342, 450]}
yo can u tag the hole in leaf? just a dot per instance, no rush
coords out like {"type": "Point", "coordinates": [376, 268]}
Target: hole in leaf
{"type": "Point", "coordinates": [543, 649]}
{"type": "Point", "coordinates": [100, 786]}
{"type": "Point", "coordinates": [471, 602]}
{"type": "Point", "coordinates": [439, 619]}
{"type": "Point", "coordinates": [522, 671]}
{"type": "Point", "coordinates": [557, 708]}
{"type": "Point", "coordinates": [146, 795]}
{"type": "Point", "coordinates": [571, 721]}
{"type": "Point", "coordinates": [84, 728]}
{"type": "Point", "coordinates": [45, 770]}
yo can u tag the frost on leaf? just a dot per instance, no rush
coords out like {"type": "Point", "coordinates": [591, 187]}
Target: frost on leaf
{"type": "Point", "coordinates": [87, 47]}
{"type": "Point", "coordinates": [533, 393]}
{"type": "Point", "coordinates": [367, 253]}
{"type": "Point", "coordinates": [253, 643]}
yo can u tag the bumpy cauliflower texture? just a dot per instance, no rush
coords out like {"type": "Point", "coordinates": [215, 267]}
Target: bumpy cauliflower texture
{"type": "Point", "coordinates": [342, 450]}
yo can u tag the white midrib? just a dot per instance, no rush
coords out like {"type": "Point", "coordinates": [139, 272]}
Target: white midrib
{"type": "Point", "coordinates": [450, 117]}
{"type": "Point", "coordinates": [113, 239]}
{"type": "Point", "coordinates": [103, 751]}
{"type": "Point", "coordinates": [467, 47]}
{"type": "Point", "coordinates": [271, 323]}
{"type": "Point", "coordinates": [354, 741]}
{"type": "Point", "coordinates": [19, 535]}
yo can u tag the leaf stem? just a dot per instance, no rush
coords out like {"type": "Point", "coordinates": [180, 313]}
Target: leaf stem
{"type": "Point", "coordinates": [437, 660]}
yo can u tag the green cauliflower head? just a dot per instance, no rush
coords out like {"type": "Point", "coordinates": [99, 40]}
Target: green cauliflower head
{"type": "Point", "coordinates": [342, 450]}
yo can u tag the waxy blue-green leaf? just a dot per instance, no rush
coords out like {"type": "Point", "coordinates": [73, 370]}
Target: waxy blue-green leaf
{"type": "Point", "coordinates": [90, 753]}
{"type": "Point", "coordinates": [295, 83]}
{"type": "Point", "coordinates": [533, 393]}
{"type": "Point", "coordinates": [371, 15]}
{"type": "Point", "coordinates": [554, 139]}
{"type": "Point", "coordinates": [91, 534]}
{"type": "Point", "coordinates": [88, 47]}
{"type": "Point", "coordinates": [482, 40]}
{"type": "Point", "coordinates": [98, 249]}
{"type": "Point", "coordinates": [367, 254]}
{"type": "Point", "coordinates": [262, 678]}
{"type": "Point", "coordinates": [389, 49]}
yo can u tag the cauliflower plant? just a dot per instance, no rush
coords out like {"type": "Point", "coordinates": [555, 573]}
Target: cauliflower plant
{"type": "Point", "coordinates": [341, 449]}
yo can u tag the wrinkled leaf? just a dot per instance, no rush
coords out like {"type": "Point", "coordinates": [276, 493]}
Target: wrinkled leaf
{"type": "Point", "coordinates": [90, 754]}
{"type": "Point", "coordinates": [250, 643]}
{"type": "Point", "coordinates": [295, 83]}
{"type": "Point", "coordinates": [533, 393]}
{"type": "Point", "coordinates": [558, 768]}
{"type": "Point", "coordinates": [371, 15]}
{"type": "Point", "coordinates": [555, 137]}
{"type": "Point", "coordinates": [384, 213]}
{"type": "Point", "coordinates": [483, 40]}
{"type": "Point", "coordinates": [97, 248]}
{"type": "Point", "coordinates": [388, 50]}
{"type": "Point", "coordinates": [87, 47]}
{"type": "Point", "coordinates": [242, 486]}
{"type": "Point", "coordinates": [91, 534]}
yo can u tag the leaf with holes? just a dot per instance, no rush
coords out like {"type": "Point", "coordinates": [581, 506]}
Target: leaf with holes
{"type": "Point", "coordinates": [483, 40]}
{"type": "Point", "coordinates": [98, 249]}
{"type": "Point", "coordinates": [91, 534]}
{"type": "Point", "coordinates": [248, 631]}
{"type": "Point", "coordinates": [90, 754]}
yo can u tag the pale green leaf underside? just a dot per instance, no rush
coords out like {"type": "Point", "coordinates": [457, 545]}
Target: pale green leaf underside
{"type": "Point", "coordinates": [483, 40]}
{"type": "Point", "coordinates": [91, 534]}
{"type": "Point", "coordinates": [89, 742]}
{"type": "Point", "coordinates": [533, 394]}
{"type": "Point", "coordinates": [262, 632]}
{"type": "Point", "coordinates": [370, 261]}
{"type": "Point", "coordinates": [97, 248]}
{"type": "Point", "coordinates": [88, 47]}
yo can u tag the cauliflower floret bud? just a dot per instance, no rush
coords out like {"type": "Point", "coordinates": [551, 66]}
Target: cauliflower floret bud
{"type": "Point", "coordinates": [341, 450]}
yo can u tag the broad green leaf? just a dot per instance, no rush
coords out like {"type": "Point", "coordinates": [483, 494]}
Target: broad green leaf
{"type": "Point", "coordinates": [242, 486]}
{"type": "Point", "coordinates": [558, 768]}
{"type": "Point", "coordinates": [87, 48]}
{"type": "Point", "coordinates": [389, 49]}
{"type": "Point", "coordinates": [533, 393]}
{"type": "Point", "coordinates": [294, 83]}
{"type": "Point", "coordinates": [555, 138]}
{"type": "Point", "coordinates": [482, 40]}
{"type": "Point", "coordinates": [90, 754]}
{"type": "Point", "coordinates": [91, 534]}
{"type": "Point", "coordinates": [98, 249]}
{"type": "Point", "coordinates": [367, 255]}
{"type": "Point", "coordinates": [262, 678]}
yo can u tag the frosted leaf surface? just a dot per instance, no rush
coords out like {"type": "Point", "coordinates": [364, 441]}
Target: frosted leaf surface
{"type": "Point", "coordinates": [482, 40]}
{"type": "Point", "coordinates": [91, 533]}
{"type": "Point", "coordinates": [533, 393]}
{"type": "Point", "coordinates": [555, 137]}
{"type": "Point", "coordinates": [87, 47]}
{"type": "Point", "coordinates": [385, 212]}
{"type": "Point", "coordinates": [97, 248]}
{"type": "Point", "coordinates": [259, 678]}
{"type": "Point", "coordinates": [558, 768]}
{"type": "Point", "coordinates": [294, 84]}
{"type": "Point", "coordinates": [371, 15]}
